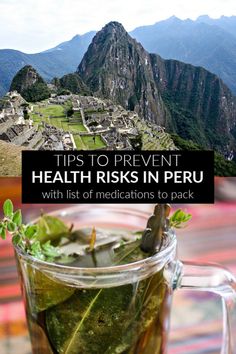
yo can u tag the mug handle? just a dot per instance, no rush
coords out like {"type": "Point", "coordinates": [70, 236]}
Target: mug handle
{"type": "Point", "coordinates": [218, 280]}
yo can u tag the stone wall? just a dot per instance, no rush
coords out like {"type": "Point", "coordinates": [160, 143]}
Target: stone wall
{"type": "Point", "coordinates": [6, 122]}
{"type": "Point", "coordinates": [35, 140]}
{"type": "Point", "coordinates": [21, 139]}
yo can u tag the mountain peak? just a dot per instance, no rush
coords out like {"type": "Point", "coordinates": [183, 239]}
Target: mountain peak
{"type": "Point", "coordinates": [112, 32]}
{"type": "Point", "coordinates": [27, 68]}
{"type": "Point", "coordinates": [114, 25]}
{"type": "Point", "coordinates": [30, 84]}
{"type": "Point", "coordinates": [204, 18]}
{"type": "Point", "coordinates": [29, 72]}
{"type": "Point", "coordinates": [174, 18]}
{"type": "Point", "coordinates": [112, 28]}
{"type": "Point", "coordinates": [117, 67]}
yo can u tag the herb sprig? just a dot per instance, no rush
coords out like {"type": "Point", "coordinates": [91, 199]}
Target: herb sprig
{"type": "Point", "coordinates": [179, 219]}
{"type": "Point", "coordinates": [24, 236]}
{"type": "Point", "coordinates": [35, 239]}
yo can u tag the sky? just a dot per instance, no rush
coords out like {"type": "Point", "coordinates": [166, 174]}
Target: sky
{"type": "Point", "coordinates": [36, 25]}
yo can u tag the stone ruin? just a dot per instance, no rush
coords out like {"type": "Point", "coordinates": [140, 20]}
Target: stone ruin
{"type": "Point", "coordinates": [18, 131]}
{"type": "Point", "coordinates": [55, 139]}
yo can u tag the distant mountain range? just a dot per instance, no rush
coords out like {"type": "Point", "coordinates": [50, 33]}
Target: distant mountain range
{"type": "Point", "coordinates": [226, 23]}
{"type": "Point", "coordinates": [205, 42]}
{"type": "Point", "coordinates": [55, 62]}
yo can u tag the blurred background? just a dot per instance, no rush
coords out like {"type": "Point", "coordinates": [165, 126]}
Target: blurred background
{"type": "Point", "coordinates": [196, 317]}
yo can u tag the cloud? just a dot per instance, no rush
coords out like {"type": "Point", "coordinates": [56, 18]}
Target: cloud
{"type": "Point", "coordinates": [36, 25]}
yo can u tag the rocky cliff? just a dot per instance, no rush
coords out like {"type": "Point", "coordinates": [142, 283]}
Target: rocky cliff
{"type": "Point", "coordinates": [185, 99]}
{"type": "Point", "coordinates": [202, 107]}
{"type": "Point", "coordinates": [116, 66]}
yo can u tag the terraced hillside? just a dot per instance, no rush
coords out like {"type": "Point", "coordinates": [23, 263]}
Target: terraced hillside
{"type": "Point", "coordinates": [55, 115]}
{"type": "Point", "coordinates": [154, 137]}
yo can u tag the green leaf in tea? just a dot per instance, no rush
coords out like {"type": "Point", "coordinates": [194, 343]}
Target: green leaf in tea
{"type": "Point", "coordinates": [96, 320]}
{"type": "Point", "coordinates": [50, 251]}
{"type": "Point", "coordinates": [128, 253]}
{"type": "Point", "coordinates": [106, 321]}
{"type": "Point", "coordinates": [50, 228]}
{"type": "Point", "coordinates": [45, 291]}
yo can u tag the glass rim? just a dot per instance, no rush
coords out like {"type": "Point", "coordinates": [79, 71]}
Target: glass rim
{"type": "Point", "coordinates": [154, 259]}
{"type": "Point", "coordinates": [164, 254]}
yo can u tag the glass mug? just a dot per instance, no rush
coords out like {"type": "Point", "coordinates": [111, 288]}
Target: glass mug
{"type": "Point", "coordinates": [118, 309]}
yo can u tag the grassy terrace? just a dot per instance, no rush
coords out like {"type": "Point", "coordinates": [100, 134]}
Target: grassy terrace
{"type": "Point", "coordinates": [87, 142]}
{"type": "Point", "coordinates": [55, 115]}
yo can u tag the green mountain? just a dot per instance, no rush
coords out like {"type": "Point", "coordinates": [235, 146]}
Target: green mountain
{"type": "Point", "coordinates": [185, 99]}
{"type": "Point", "coordinates": [30, 85]}
{"type": "Point", "coordinates": [222, 167]}
{"type": "Point", "coordinates": [73, 83]}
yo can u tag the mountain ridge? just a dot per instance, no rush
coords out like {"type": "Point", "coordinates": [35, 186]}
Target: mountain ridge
{"type": "Point", "coordinates": [201, 43]}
